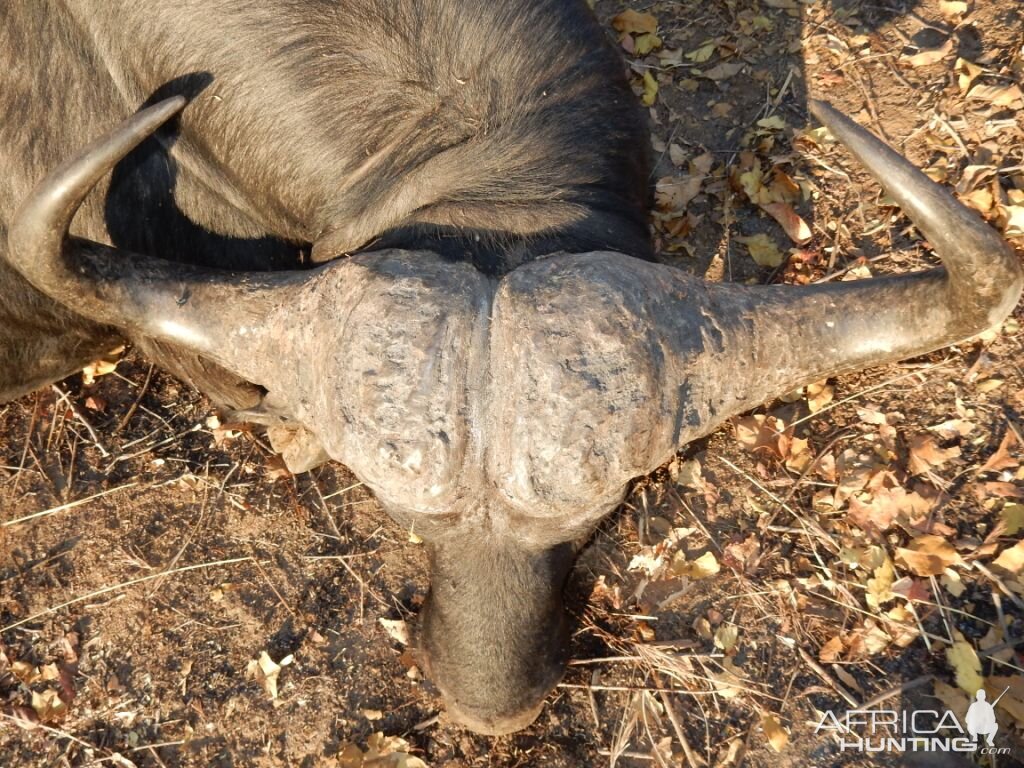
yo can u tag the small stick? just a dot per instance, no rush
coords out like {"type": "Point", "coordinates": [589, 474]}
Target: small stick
{"type": "Point", "coordinates": [28, 442]}
{"type": "Point", "coordinates": [82, 420]}
{"type": "Point", "coordinates": [692, 757]}
{"type": "Point", "coordinates": [592, 699]}
{"type": "Point", "coordinates": [69, 505]}
{"type": "Point", "coordinates": [999, 583]}
{"type": "Point", "coordinates": [131, 411]}
{"type": "Point", "coordinates": [820, 671]}
{"type": "Point", "coordinates": [898, 689]}
{"type": "Point", "coordinates": [122, 585]}
{"type": "Point", "coordinates": [274, 589]}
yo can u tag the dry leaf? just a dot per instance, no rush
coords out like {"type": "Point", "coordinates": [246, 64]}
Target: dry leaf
{"type": "Point", "coordinates": [880, 585]}
{"type": "Point", "coordinates": [928, 556]}
{"type": "Point", "coordinates": [759, 433]}
{"type": "Point", "coordinates": [967, 73]}
{"type": "Point", "coordinates": [997, 95]}
{"type": "Point", "coordinates": [728, 682]}
{"type": "Point", "coordinates": [953, 9]}
{"type": "Point", "coordinates": [704, 566]}
{"type": "Point", "coordinates": [650, 94]}
{"type": "Point", "coordinates": [962, 657]}
{"type": "Point", "coordinates": [952, 582]}
{"type": "Point", "coordinates": [723, 71]}
{"type": "Point", "coordinates": [99, 368]}
{"type": "Point", "coordinates": [763, 250]}
{"type": "Point", "coordinates": [48, 706]}
{"type": "Point", "coordinates": [266, 671]}
{"type": "Point", "coordinates": [702, 54]}
{"type": "Point", "coordinates": [631, 22]}
{"type": "Point", "coordinates": [397, 628]}
{"type": "Point", "coordinates": [832, 650]}
{"type": "Point", "coordinates": [819, 394]}
{"type": "Point", "coordinates": [1011, 518]}
{"type": "Point", "coordinates": [955, 700]}
{"type": "Point", "coordinates": [789, 220]}
{"type": "Point", "coordinates": [1002, 459]}
{"type": "Point", "coordinates": [726, 637]}
{"type": "Point", "coordinates": [674, 193]}
{"type": "Point", "coordinates": [929, 56]}
{"type": "Point", "coordinates": [925, 454]}
{"type": "Point", "coordinates": [778, 737]}
{"type": "Point", "coordinates": [1011, 559]}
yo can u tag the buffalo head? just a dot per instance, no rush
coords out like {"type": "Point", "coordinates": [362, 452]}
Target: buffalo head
{"type": "Point", "coordinates": [501, 419]}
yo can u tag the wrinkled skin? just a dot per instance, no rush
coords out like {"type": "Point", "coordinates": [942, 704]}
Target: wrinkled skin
{"type": "Point", "coordinates": [502, 416]}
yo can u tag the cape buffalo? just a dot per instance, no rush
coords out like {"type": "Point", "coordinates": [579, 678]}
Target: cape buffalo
{"type": "Point", "coordinates": [482, 336]}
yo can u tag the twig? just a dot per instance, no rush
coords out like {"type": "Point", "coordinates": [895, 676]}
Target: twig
{"type": "Point", "coordinates": [69, 505]}
{"type": "Point", "coordinates": [820, 671]}
{"type": "Point", "coordinates": [999, 583]}
{"type": "Point", "coordinates": [122, 585]}
{"type": "Point", "coordinates": [28, 443]}
{"type": "Point", "coordinates": [274, 589]}
{"type": "Point", "coordinates": [692, 757]}
{"type": "Point", "coordinates": [125, 456]}
{"type": "Point", "coordinates": [82, 420]}
{"type": "Point", "coordinates": [896, 690]}
{"type": "Point", "coordinates": [134, 407]}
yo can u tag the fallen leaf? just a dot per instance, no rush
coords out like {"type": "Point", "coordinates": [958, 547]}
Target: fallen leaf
{"type": "Point", "coordinates": [925, 454]}
{"type": "Point", "coordinates": [723, 71]}
{"type": "Point", "coordinates": [880, 585]}
{"type": "Point", "coordinates": [955, 700]}
{"type": "Point", "coordinates": [1011, 691]}
{"type": "Point", "coordinates": [1011, 559]}
{"type": "Point", "coordinates": [728, 683]}
{"type": "Point", "coordinates": [646, 43]}
{"type": "Point", "coordinates": [266, 671]}
{"type": "Point", "coordinates": [704, 566]}
{"type": "Point", "coordinates": [743, 556]}
{"type": "Point", "coordinates": [397, 628]}
{"type": "Point", "coordinates": [674, 193]}
{"type": "Point", "coordinates": [48, 706]}
{"type": "Point", "coordinates": [794, 226]}
{"type": "Point", "coordinates": [763, 250]}
{"type": "Point", "coordinates": [1012, 220]}
{"type": "Point", "coordinates": [962, 657]}
{"type": "Point", "coordinates": [997, 95]}
{"type": "Point", "coordinates": [726, 637]}
{"type": "Point", "coordinates": [953, 9]}
{"type": "Point", "coordinates": [1011, 516]}
{"type": "Point", "coordinates": [99, 368]}
{"type": "Point", "coordinates": [952, 582]}
{"type": "Point", "coordinates": [928, 56]}
{"type": "Point", "coordinates": [953, 428]}
{"type": "Point", "coordinates": [630, 22]}
{"type": "Point", "coordinates": [1002, 459]}
{"type": "Point", "coordinates": [778, 737]}
{"type": "Point", "coordinates": [702, 54]}
{"type": "Point", "coordinates": [772, 123]}
{"type": "Point", "coordinates": [928, 556]}
{"type": "Point", "coordinates": [832, 650]}
{"type": "Point", "coordinates": [650, 94]}
{"type": "Point", "coordinates": [967, 72]}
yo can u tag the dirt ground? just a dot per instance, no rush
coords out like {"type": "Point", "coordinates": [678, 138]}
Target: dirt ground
{"type": "Point", "coordinates": [781, 569]}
